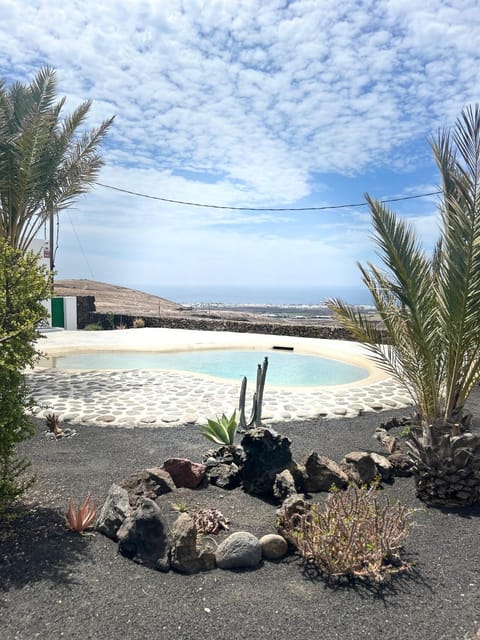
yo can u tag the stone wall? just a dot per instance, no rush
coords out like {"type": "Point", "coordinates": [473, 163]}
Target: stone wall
{"type": "Point", "coordinates": [200, 324]}
{"type": "Point", "coordinates": [85, 308]}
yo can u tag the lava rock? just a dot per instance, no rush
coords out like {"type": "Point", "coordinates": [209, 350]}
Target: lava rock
{"type": "Point", "coordinates": [225, 476]}
{"type": "Point", "coordinates": [284, 485]}
{"type": "Point", "coordinates": [359, 467]}
{"type": "Point", "coordinates": [267, 453]}
{"type": "Point", "coordinates": [184, 472]}
{"type": "Point", "coordinates": [147, 483]}
{"type": "Point", "coordinates": [143, 537]}
{"type": "Point", "coordinates": [184, 555]}
{"type": "Point", "coordinates": [320, 473]}
{"type": "Point", "coordinates": [114, 511]}
{"type": "Point", "coordinates": [384, 466]}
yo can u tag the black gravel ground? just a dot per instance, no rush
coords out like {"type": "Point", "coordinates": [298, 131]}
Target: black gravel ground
{"type": "Point", "coordinates": [55, 584]}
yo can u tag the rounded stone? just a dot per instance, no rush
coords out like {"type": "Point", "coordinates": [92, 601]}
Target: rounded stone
{"type": "Point", "coordinates": [105, 418]}
{"type": "Point", "coordinates": [240, 550]}
{"type": "Point", "coordinates": [273, 546]}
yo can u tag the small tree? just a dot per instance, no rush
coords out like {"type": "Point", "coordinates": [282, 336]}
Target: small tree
{"type": "Point", "coordinates": [430, 308]}
{"type": "Point", "coordinates": [23, 287]}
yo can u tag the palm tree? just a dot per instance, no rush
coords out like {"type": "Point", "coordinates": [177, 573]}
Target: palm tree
{"type": "Point", "coordinates": [430, 308]}
{"type": "Point", "coordinates": [45, 161]}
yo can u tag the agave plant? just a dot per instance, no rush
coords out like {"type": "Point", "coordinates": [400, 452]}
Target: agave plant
{"type": "Point", "coordinates": [222, 430]}
{"type": "Point", "coordinates": [81, 518]}
{"type": "Point", "coordinates": [52, 421]}
{"type": "Point", "coordinates": [429, 305]}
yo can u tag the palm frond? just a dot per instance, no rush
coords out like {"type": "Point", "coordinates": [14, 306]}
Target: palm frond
{"type": "Point", "coordinates": [44, 162]}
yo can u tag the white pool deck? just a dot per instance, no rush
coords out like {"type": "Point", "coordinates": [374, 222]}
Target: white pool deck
{"type": "Point", "coordinates": [157, 398]}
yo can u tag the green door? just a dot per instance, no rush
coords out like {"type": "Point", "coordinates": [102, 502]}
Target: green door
{"type": "Point", "coordinates": [58, 318]}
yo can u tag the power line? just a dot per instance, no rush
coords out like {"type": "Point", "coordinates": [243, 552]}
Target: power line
{"type": "Point", "coordinates": [217, 206]}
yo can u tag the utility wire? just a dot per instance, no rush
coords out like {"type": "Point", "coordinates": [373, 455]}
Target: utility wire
{"type": "Point", "coordinates": [217, 206]}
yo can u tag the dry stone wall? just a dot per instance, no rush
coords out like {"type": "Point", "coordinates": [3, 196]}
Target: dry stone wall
{"type": "Point", "coordinates": [86, 315]}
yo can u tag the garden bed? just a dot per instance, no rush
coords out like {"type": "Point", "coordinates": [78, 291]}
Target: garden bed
{"type": "Point", "coordinates": [55, 583]}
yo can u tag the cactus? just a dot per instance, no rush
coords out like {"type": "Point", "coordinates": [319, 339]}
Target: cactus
{"type": "Point", "coordinates": [256, 415]}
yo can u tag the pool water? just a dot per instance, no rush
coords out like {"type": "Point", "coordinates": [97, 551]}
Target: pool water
{"type": "Point", "coordinates": [284, 368]}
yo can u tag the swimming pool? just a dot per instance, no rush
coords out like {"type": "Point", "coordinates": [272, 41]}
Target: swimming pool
{"type": "Point", "coordinates": [284, 367]}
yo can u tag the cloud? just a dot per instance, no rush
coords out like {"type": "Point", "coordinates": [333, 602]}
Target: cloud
{"type": "Point", "coordinates": [248, 103]}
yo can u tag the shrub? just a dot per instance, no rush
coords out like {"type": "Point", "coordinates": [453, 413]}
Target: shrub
{"type": "Point", "coordinates": [222, 430]}
{"type": "Point", "coordinates": [93, 326]}
{"type": "Point", "coordinates": [110, 320]}
{"type": "Point", "coordinates": [138, 323]}
{"type": "Point", "coordinates": [23, 287]}
{"type": "Point", "coordinates": [353, 536]}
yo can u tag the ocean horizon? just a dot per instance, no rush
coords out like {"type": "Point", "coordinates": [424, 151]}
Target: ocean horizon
{"type": "Point", "coordinates": [261, 295]}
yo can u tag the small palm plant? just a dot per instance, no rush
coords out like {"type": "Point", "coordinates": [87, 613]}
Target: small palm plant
{"type": "Point", "coordinates": [430, 308]}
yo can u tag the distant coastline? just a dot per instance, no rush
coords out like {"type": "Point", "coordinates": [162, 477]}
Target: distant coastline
{"type": "Point", "coordinates": [225, 296]}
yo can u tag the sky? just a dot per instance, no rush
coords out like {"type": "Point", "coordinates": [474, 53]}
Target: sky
{"type": "Point", "coordinates": [248, 103]}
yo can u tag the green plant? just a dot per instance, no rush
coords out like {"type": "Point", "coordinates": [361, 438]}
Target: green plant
{"type": "Point", "coordinates": [110, 320]}
{"type": "Point", "coordinates": [406, 431]}
{"type": "Point", "coordinates": [430, 339]}
{"type": "Point", "coordinates": [45, 161]}
{"type": "Point", "coordinates": [93, 326]}
{"type": "Point", "coordinates": [81, 518]}
{"type": "Point", "coordinates": [222, 430]}
{"type": "Point", "coordinates": [23, 287]}
{"type": "Point", "coordinates": [138, 323]}
{"type": "Point", "coordinates": [257, 401]}
{"type": "Point", "coordinates": [353, 536]}
{"type": "Point", "coordinates": [180, 506]}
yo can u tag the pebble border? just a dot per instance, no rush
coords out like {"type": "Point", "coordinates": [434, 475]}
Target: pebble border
{"type": "Point", "coordinates": [149, 398]}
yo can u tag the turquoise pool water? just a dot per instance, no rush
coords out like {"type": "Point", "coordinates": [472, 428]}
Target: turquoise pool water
{"type": "Point", "coordinates": [284, 368]}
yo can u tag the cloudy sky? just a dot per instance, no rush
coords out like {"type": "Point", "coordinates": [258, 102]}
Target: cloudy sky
{"type": "Point", "coordinates": [248, 103]}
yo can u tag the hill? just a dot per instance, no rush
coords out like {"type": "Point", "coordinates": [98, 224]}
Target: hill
{"type": "Point", "coordinates": [115, 299]}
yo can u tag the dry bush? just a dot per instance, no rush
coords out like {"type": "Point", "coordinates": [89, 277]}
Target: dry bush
{"type": "Point", "coordinates": [353, 536]}
{"type": "Point", "coordinates": [138, 323]}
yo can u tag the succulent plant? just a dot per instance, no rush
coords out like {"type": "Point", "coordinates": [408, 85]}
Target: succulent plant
{"type": "Point", "coordinates": [52, 420]}
{"type": "Point", "coordinates": [81, 518]}
{"type": "Point", "coordinates": [210, 521]}
{"type": "Point", "coordinates": [222, 430]}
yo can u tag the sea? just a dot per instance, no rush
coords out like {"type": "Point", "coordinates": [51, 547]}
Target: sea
{"type": "Point", "coordinates": [257, 296]}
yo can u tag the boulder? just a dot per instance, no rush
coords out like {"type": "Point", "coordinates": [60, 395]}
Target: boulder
{"type": "Point", "coordinates": [225, 476]}
{"type": "Point", "coordinates": [384, 466]}
{"type": "Point", "coordinates": [284, 485]}
{"type": "Point", "coordinates": [359, 467]}
{"type": "Point", "coordinates": [225, 454]}
{"type": "Point", "coordinates": [147, 483]}
{"type": "Point", "coordinates": [292, 507]}
{"type": "Point", "coordinates": [184, 472]}
{"type": "Point", "coordinates": [273, 546]}
{"type": "Point", "coordinates": [114, 511]}
{"type": "Point", "coordinates": [267, 453]}
{"type": "Point", "coordinates": [143, 537]}
{"type": "Point", "coordinates": [320, 473]}
{"type": "Point", "coordinates": [184, 555]}
{"type": "Point", "coordinates": [239, 551]}
{"type": "Point", "coordinates": [401, 463]}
